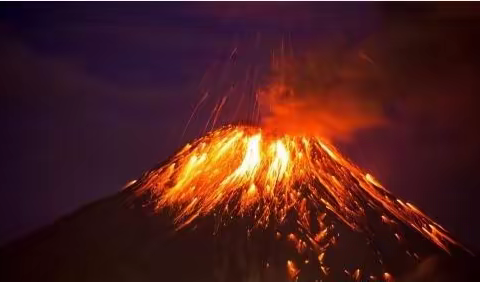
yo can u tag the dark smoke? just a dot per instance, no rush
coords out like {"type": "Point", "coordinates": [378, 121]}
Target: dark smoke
{"type": "Point", "coordinates": [420, 66]}
{"type": "Point", "coordinates": [332, 92]}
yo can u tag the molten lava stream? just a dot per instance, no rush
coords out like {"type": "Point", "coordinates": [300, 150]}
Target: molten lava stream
{"type": "Point", "coordinates": [245, 172]}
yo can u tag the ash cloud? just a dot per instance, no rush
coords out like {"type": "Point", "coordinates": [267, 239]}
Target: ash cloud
{"type": "Point", "coordinates": [419, 67]}
{"type": "Point", "coordinates": [331, 92]}
{"type": "Point", "coordinates": [426, 64]}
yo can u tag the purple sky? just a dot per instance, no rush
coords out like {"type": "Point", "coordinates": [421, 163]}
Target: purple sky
{"type": "Point", "coordinates": [93, 94]}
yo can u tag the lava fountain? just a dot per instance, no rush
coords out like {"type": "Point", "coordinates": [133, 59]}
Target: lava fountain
{"type": "Point", "coordinates": [248, 172]}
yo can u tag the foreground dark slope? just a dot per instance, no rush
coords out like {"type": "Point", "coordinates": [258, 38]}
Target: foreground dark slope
{"type": "Point", "coordinates": [106, 241]}
{"type": "Point", "coordinates": [117, 239]}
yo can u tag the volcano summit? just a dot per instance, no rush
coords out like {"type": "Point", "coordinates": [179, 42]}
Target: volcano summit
{"type": "Point", "coordinates": [241, 204]}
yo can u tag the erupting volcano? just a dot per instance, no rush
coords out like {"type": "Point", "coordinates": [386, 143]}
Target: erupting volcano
{"type": "Point", "coordinates": [276, 202]}
{"type": "Point", "coordinates": [247, 108]}
{"type": "Point", "coordinates": [300, 192]}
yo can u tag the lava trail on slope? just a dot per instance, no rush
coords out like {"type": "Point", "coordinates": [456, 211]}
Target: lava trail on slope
{"type": "Point", "coordinates": [244, 204]}
{"type": "Point", "coordinates": [283, 208]}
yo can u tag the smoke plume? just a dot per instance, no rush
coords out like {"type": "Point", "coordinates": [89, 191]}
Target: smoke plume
{"type": "Point", "coordinates": [331, 92]}
{"type": "Point", "coordinates": [419, 66]}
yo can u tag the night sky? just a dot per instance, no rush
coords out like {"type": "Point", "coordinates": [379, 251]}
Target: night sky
{"type": "Point", "coordinates": [94, 94]}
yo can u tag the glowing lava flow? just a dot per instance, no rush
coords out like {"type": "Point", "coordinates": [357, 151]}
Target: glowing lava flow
{"type": "Point", "coordinates": [244, 171]}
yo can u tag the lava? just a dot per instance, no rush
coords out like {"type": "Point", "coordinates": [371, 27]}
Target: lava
{"type": "Point", "coordinates": [240, 171]}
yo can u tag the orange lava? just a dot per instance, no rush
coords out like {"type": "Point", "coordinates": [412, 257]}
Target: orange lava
{"type": "Point", "coordinates": [246, 171]}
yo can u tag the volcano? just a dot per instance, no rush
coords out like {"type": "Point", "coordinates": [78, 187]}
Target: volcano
{"type": "Point", "coordinates": [245, 204]}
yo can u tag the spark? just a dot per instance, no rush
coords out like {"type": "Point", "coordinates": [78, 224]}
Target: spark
{"type": "Point", "coordinates": [292, 269]}
{"type": "Point", "coordinates": [356, 275]}
{"type": "Point", "coordinates": [387, 277]}
{"type": "Point", "coordinates": [320, 257]}
{"type": "Point", "coordinates": [239, 171]}
{"type": "Point", "coordinates": [129, 184]}
{"type": "Point", "coordinates": [373, 181]}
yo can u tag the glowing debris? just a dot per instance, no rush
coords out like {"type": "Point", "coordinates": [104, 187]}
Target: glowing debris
{"type": "Point", "coordinates": [292, 270]}
{"type": "Point", "coordinates": [373, 181]}
{"type": "Point", "coordinates": [129, 184]}
{"type": "Point", "coordinates": [387, 277]}
{"type": "Point", "coordinates": [240, 171]}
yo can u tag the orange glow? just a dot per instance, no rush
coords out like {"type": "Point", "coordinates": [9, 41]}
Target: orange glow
{"type": "Point", "coordinates": [320, 258]}
{"type": "Point", "coordinates": [387, 277]}
{"type": "Point", "coordinates": [356, 275]}
{"type": "Point", "coordinates": [246, 171]}
{"type": "Point", "coordinates": [291, 269]}
{"type": "Point", "coordinates": [324, 269]}
{"type": "Point", "coordinates": [373, 181]}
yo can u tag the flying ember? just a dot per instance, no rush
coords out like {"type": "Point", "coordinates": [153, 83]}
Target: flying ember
{"type": "Point", "coordinates": [244, 171]}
